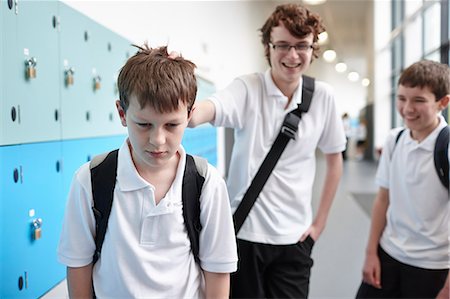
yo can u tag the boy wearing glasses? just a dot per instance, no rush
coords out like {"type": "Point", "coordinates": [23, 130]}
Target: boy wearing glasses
{"type": "Point", "coordinates": [277, 237]}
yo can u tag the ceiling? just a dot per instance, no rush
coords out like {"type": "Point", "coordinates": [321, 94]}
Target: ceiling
{"type": "Point", "coordinates": [348, 23]}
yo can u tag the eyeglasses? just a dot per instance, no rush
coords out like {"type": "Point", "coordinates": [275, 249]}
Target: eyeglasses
{"type": "Point", "coordinates": [285, 48]}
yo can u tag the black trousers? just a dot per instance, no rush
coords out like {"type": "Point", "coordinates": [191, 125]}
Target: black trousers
{"type": "Point", "coordinates": [272, 271]}
{"type": "Point", "coordinates": [399, 280]}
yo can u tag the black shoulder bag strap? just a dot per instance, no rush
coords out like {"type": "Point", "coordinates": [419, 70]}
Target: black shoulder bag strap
{"type": "Point", "coordinates": [192, 188]}
{"type": "Point", "coordinates": [441, 156]}
{"type": "Point", "coordinates": [288, 131]}
{"type": "Point", "coordinates": [103, 179]}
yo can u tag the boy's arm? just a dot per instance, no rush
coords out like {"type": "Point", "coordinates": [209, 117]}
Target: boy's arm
{"type": "Point", "coordinates": [204, 112]}
{"type": "Point", "coordinates": [445, 291]}
{"type": "Point", "coordinates": [332, 178]}
{"type": "Point", "coordinates": [372, 269]}
{"type": "Point", "coordinates": [217, 285]}
{"type": "Point", "coordinates": [79, 282]}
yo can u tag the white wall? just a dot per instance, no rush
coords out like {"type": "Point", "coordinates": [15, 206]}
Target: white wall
{"type": "Point", "coordinates": [221, 37]}
{"type": "Point", "coordinates": [382, 71]}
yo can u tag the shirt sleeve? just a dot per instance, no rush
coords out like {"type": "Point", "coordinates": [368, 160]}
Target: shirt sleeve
{"type": "Point", "coordinates": [76, 246]}
{"type": "Point", "coordinates": [382, 176]}
{"type": "Point", "coordinates": [231, 105]}
{"type": "Point", "coordinates": [218, 252]}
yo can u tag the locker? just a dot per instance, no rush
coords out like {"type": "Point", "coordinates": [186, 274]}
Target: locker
{"type": "Point", "coordinates": [94, 53]}
{"type": "Point", "coordinates": [78, 152]}
{"type": "Point", "coordinates": [30, 50]}
{"type": "Point", "coordinates": [77, 99]}
{"type": "Point", "coordinates": [31, 184]}
{"type": "Point", "coordinates": [109, 53]}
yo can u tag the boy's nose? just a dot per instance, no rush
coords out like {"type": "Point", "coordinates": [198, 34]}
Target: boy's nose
{"type": "Point", "coordinates": [293, 52]}
{"type": "Point", "coordinates": [157, 137]}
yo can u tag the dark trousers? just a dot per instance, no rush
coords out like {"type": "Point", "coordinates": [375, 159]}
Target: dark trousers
{"type": "Point", "coordinates": [272, 271]}
{"type": "Point", "coordinates": [399, 280]}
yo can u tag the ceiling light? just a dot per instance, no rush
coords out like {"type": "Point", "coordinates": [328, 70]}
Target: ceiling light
{"type": "Point", "coordinates": [340, 67]}
{"type": "Point", "coordinates": [365, 82]}
{"type": "Point", "coordinates": [353, 76]}
{"type": "Point", "coordinates": [314, 2]}
{"type": "Point", "coordinates": [329, 55]}
{"type": "Point", "coordinates": [323, 37]}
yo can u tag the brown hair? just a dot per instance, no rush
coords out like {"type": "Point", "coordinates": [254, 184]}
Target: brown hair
{"type": "Point", "coordinates": [157, 80]}
{"type": "Point", "coordinates": [298, 20]}
{"type": "Point", "coordinates": [427, 73]}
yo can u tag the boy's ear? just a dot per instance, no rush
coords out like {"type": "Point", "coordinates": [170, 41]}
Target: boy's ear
{"type": "Point", "coordinates": [443, 102]}
{"type": "Point", "coordinates": [191, 113]}
{"type": "Point", "coordinates": [121, 113]}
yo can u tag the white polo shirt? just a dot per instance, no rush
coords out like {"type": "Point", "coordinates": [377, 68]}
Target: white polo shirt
{"type": "Point", "coordinates": [254, 107]}
{"type": "Point", "coordinates": [146, 252]}
{"type": "Point", "coordinates": [417, 228]}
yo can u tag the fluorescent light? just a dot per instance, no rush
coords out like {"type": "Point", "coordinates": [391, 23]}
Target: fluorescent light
{"type": "Point", "coordinates": [329, 55]}
{"type": "Point", "coordinates": [323, 37]}
{"type": "Point", "coordinates": [314, 2]}
{"type": "Point", "coordinates": [365, 82]}
{"type": "Point", "coordinates": [340, 67]}
{"type": "Point", "coordinates": [353, 76]}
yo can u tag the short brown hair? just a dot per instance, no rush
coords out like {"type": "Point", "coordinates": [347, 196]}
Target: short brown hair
{"type": "Point", "coordinates": [298, 20]}
{"type": "Point", "coordinates": [157, 80]}
{"type": "Point", "coordinates": [427, 73]}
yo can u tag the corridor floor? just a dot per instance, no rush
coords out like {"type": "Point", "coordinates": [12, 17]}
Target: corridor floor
{"type": "Point", "coordinates": [339, 253]}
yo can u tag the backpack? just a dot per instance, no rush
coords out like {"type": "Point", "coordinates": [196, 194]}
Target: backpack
{"type": "Point", "coordinates": [103, 178]}
{"type": "Point", "coordinates": [440, 154]}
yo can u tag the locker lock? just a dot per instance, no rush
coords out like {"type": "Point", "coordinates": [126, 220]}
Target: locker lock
{"type": "Point", "coordinates": [30, 65]}
{"type": "Point", "coordinates": [37, 228]}
{"type": "Point", "coordinates": [97, 83]}
{"type": "Point", "coordinates": [69, 76]}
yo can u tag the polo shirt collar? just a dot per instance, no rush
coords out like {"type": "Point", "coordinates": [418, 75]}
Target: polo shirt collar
{"type": "Point", "coordinates": [273, 90]}
{"type": "Point", "coordinates": [429, 142]}
{"type": "Point", "coordinates": [128, 178]}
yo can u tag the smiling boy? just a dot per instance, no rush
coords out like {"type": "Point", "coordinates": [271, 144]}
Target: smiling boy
{"type": "Point", "coordinates": [277, 236]}
{"type": "Point", "coordinates": [147, 252]}
{"type": "Point", "coordinates": [407, 254]}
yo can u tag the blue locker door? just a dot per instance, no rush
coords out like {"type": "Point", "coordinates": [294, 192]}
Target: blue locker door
{"type": "Point", "coordinates": [32, 189]}
{"type": "Point", "coordinates": [9, 106]}
{"type": "Point", "coordinates": [37, 88]}
{"type": "Point", "coordinates": [76, 98]}
{"type": "Point", "coordinates": [109, 52]}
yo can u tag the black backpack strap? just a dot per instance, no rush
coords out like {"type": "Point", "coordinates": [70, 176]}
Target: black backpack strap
{"type": "Point", "coordinates": [191, 191]}
{"type": "Point", "coordinates": [288, 131]}
{"type": "Point", "coordinates": [441, 156]}
{"type": "Point", "coordinates": [103, 180]}
{"type": "Point", "coordinates": [399, 135]}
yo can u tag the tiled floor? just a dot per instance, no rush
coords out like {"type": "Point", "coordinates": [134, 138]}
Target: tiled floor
{"type": "Point", "coordinates": [339, 253]}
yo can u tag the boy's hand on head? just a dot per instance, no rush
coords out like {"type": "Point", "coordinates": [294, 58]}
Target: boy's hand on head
{"type": "Point", "coordinates": [174, 55]}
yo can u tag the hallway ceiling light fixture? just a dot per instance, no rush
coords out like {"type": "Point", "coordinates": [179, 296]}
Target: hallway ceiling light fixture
{"type": "Point", "coordinates": [353, 76]}
{"type": "Point", "coordinates": [340, 67]}
{"type": "Point", "coordinates": [314, 2]}
{"type": "Point", "coordinates": [329, 55]}
{"type": "Point", "coordinates": [323, 37]}
{"type": "Point", "coordinates": [365, 82]}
